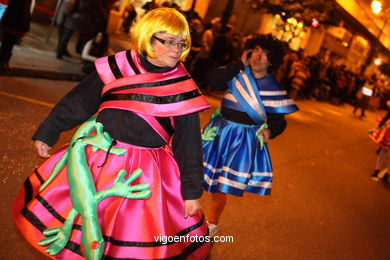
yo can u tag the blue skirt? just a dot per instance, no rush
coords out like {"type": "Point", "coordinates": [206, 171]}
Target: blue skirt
{"type": "Point", "coordinates": [233, 161]}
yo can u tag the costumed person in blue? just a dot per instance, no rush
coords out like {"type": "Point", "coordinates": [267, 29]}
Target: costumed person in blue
{"type": "Point", "coordinates": [131, 176]}
{"type": "Point", "coordinates": [235, 152]}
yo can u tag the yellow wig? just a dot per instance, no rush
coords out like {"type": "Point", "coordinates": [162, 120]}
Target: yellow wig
{"type": "Point", "coordinates": [167, 20]}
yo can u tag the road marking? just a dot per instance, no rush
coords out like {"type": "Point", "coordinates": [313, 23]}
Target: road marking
{"type": "Point", "coordinates": [335, 113]}
{"type": "Point", "coordinates": [27, 99]}
{"type": "Point", "coordinates": [316, 113]}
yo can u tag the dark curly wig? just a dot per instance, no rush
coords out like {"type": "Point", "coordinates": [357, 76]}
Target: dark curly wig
{"type": "Point", "coordinates": [275, 48]}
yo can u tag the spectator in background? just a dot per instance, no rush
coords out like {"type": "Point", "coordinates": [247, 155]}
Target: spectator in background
{"type": "Point", "coordinates": [299, 73]}
{"type": "Point", "coordinates": [196, 27]}
{"type": "Point", "coordinates": [322, 89]}
{"type": "Point", "coordinates": [192, 14]}
{"type": "Point", "coordinates": [363, 96]}
{"type": "Point", "coordinates": [382, 92]}
{"type": "Point", "coordinates": [340, 85]}
{"type": "Point", "coordinates": [93, 49]}
{"type": "Point", "coordinates": [349, 86]}
{"type": "Point", "coordinates": [100, 18]}
{"type": "Point", "coordinates": [313, 82]}
{"type": "Point", "coordinates": [236, 47]}
{"type": "Point", "coordinates": [331, 72]}
{"type": "Point", "coordinates": [14, 24]}
{"type": "Point", "coordinates": [166, 4]}
{"type": "Point", "coordinates": [81, 20]}
{"type": "Point", "coordinates": [220, 52]}
{"type": "Point", "coordinates": [64, 10]}
{"type": "Point", "coordinates": [284, 71]}
{"type": "Point", "coordinates": [129, 16]}
{"type": "Point", "coordinates": [202, 64]}
{"type": "Point", "coordinates": [148, 6]}
{"type": "Point", "coordinates": [176, 6]}
{"type": "Point", "coordinates": [358, 84]}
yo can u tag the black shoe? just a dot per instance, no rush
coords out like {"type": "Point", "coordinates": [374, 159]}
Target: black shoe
{"type": "Point", "coordinates": [375, 173]}
{"type": "Point", "coordinates": [385, 177]}
{"type": "Point", "coordinates": [4, 67]}
{"type": "Point", "coordinates": [67, 54]}
{"type": "Point", "coordinates": [59, 57]}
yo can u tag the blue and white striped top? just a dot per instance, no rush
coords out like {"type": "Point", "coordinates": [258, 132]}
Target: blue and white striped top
{"type": "Point", "coordinates": [273, 98]}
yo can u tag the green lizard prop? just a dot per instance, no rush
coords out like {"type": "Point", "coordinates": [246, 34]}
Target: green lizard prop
{"type": "Point", "coordinates": [83, 193]}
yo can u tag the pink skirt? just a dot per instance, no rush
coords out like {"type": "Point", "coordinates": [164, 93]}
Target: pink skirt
{"type": "Point", "coordinates": [381, 135]}
{"type": "Point", "coordinates": [132, 228]}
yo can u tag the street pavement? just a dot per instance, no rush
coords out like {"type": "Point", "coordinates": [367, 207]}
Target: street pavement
{"type": "Point", "coordinates": [324, 205]}
{"type": "Point", "coordinates": [35, 56]}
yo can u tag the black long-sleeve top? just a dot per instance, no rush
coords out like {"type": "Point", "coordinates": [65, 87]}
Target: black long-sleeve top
{"type": "Point", "coordinates": [220, 77]}
{"type": "Point", "coordinates": [83, 101]}
{"type": "Point", "coordinates": [387, 117]}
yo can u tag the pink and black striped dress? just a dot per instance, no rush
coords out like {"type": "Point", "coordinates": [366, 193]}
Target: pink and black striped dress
{"type": "Point", "coordinates": [130, 228]}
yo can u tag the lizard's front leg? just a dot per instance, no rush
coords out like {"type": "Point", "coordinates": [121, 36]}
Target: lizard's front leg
{"type": "Point", "coordinates": [123, 189]}
{"type": "Point", "coordinates": [58, 237]}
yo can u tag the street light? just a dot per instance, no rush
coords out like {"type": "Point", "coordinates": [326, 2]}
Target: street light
{"type": "Point", "coordinates": [376, 6]}
{"type": "Point", "coordinates": [378, 61]}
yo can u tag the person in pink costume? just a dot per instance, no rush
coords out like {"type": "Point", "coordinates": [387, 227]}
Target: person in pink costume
{"type": "Point", "coordinates": [381, 136]}
{"type": "Point", "coordinates": [127, 185]}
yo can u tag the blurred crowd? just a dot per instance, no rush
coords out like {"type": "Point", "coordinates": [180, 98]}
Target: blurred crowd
{"type": "Point", "coordinates": [315, 77]}
{"type": "Point", "coordinates": [214, 44]}
{"type": "Point", "coordinates": [302, 76]}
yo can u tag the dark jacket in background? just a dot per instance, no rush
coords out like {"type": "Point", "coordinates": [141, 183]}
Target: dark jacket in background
{"type": "Point", "coordinates": [17, 17]}
{"type": "Point", "coordinates": [81, 20]}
